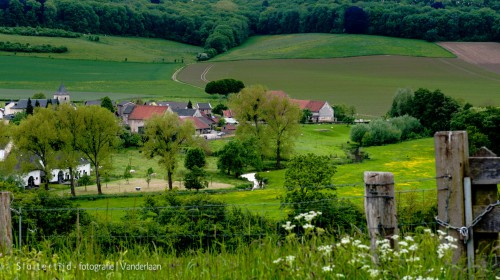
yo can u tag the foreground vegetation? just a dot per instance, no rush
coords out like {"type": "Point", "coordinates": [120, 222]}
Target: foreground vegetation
{"type": "Point", "coordinates": [423, 254]}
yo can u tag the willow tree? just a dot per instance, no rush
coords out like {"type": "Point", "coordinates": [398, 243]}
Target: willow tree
{"type": "Point", "coordinates": [166, 135]}
{"type": "Point", "coordinates": [97, 136]}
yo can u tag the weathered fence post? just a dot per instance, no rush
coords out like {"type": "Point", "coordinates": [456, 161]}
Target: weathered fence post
{"type": "Point", "coordinates": [380, 206]}
{"type": "Point", "coordinates": [485, 175]}
{"type": "Point", "coordinates": [5, 223]}
{"type": "Point", "coordinates": [452, 165]}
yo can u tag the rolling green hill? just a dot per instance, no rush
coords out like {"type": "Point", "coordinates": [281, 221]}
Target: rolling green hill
{"type": "Point", "coordinates": [329, 46]}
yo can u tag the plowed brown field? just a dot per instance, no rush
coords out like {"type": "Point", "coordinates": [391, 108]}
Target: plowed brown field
{"type": "Point", "coordinates": [483, 54]}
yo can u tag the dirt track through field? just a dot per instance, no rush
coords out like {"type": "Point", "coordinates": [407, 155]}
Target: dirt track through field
{"type": "Point", "coordinates": [483, 54]}
{"type": "Point", "coordinates": [156, 185]}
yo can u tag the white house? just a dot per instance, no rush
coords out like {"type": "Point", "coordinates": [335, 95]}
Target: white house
{"type": "Point", "coordinates": [34, 178]}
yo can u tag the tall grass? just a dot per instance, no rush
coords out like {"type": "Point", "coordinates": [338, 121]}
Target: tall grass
{"type": "Point", "coordinates": [315, 255]}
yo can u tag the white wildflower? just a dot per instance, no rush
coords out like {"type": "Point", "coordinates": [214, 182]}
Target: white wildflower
{"type": "Point", "coordinates": [278, 260]}
{"type": "Point", "coordinates": [407, 277]}
{"type": "Point", "coordinates": [427, 230]}
{"type": "Point", "coordinates": [403, 251]}
{"type": "Point", "coordinates": [325, 249]}
{"type": "Point", "coordinates": [395, 237]}
{"type": "Point", "coordinates": [363, 247]}
{"type": "Point", "coordinates": [288, 226]}
{"type": "Point", "coordinates": [290, 259]}
{"type": "Point", "coordinates": [409, 238]}
{"type": "Point", "coordinates": [373, 272]}
{"type": "Point", "coordinates": [414, 259]}
{"type": "Point", "coordinates": [403, 244]}
{"type": "Point", "coordinates": [328, 268]}
{"type": "Point", "coordinates": [365, 267]}
{"type": "Point", "coordinates": [440, 232]}
{"type": "Point", "coordinates": [339, 275]}
{"type": "Point", "coordinates": [306, 226]}
{"type": "Point", "coordinates": [345, 240]}
{"type": "Point", "coordinates": [413, 247]}
{"type": "Point", "coordinates": [450, 238]}
{"type": "Point", "coordinates": [356, 242]}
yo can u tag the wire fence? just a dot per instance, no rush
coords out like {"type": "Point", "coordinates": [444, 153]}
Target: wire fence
{"type": "Point", "coordinates": [186, 223]}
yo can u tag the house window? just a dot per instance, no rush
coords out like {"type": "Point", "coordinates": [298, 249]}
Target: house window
{"type": "Point", "coordinates": [140, 129]}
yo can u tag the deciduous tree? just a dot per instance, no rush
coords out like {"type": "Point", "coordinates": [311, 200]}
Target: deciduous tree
{"type": "Point", "coordinates": [69, 126]}
{"type": "Point", "coordinates": [98, 137]}
{"type": "Point", "coordinates": [282, 123]}
{"type": "Point", "coordinates": [37, 140]}
{"type": "Point", "coordinates": [195, 157]}
{"type": "Point", "coordinates": [166, 135]}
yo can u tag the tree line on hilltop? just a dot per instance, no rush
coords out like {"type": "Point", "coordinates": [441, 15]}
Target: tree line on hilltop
{"type": "Point", "coordinates": [221, 26]}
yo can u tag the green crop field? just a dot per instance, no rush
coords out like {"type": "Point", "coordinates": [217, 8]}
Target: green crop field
{"type": "Point", "coordinates": [329, 46]}
{"type": "Point", "coordinates": [368, 83]}
{"type": "Point", "coordinates": [120, 67]}
{"type": "Point", "coordinates": [87, 80]}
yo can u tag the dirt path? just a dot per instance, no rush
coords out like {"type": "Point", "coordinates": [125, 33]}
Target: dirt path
{"type": "Point", "coordinates": [156, 185]}
{"type": "Point", "coordinates": [483, 54]}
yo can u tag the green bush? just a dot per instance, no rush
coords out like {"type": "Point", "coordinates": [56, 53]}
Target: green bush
{"type": "Point", "coordinates": [18, 47]}
{"type": "Point", "coordinates": [45, 215]}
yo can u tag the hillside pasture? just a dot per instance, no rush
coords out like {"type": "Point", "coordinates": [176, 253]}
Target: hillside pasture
{"type": "Point", "coordinates": [369, 83]}
{"type": "Point", "coordinates": [86, 80]}
{"type": "Point", "coordinates": [316, 45]}
{"type": "Point", "coordinates": [110, 48]}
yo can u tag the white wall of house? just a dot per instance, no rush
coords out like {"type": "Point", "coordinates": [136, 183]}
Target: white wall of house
{"type": "Point", "coordinates": [37, 177]}
{"type": "Point", "coordinates": [326, 113]}
{"type": "Point", "coordinates": [37, 174]}
{"type": "Point", "coordinates": [81, 170]}
{"type": "Point", "coordinates": [8, 108]}
{"type": "Point", "coordinates": [135, 124]}
{"type": "Point", "coordinates": [2, 154]}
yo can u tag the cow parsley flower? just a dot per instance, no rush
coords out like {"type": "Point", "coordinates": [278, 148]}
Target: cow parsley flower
{"type": "Point", "coordinates": [307, 226]}
{"type": "Point", "coordinates": [288, 226]}
{"type": "Point", "coordinates": [278, 260]}
{"type": "Point", "coordinates": [328, 268]}
{"type": "Point", "coordinates": [325, 249]}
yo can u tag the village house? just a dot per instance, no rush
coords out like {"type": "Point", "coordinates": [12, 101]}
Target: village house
{"type": "Point", "coordinates": [20, 106]}
{"type": "Point", "coordinates": [141, 113]}
{"type": "Point", "coordinates": [200, 126]}
{"type": "Point", "coordinates": [35, 177]}
{"type": "Point", "coordinates": [321, 111]}
{"type": "Point", "coordinates": [204, 108]}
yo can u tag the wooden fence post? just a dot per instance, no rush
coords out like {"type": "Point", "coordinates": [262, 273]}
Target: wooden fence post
{"type": "Point", "coordinates": [452, 165]}
{"type": "Point", "coordinates": [485, 175]}
{"type": "Point", "coordinates": [380, 206]}
{"type": "Point", "coordinates": [5, 223]}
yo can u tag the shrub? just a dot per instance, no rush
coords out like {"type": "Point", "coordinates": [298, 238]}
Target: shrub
{"type": "Point", "coordinates": [410, 127]}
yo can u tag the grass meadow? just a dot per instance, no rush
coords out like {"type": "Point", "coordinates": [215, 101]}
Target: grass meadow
{"type": "Point", "coordinates": [110, 48]}
{"type": "Point", "coordinates": [315, 45]}
{"type": "Point", "coordinates": [412, 163]}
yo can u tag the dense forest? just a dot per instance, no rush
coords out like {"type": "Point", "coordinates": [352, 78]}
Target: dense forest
{"type": "Point", "coordinates": [221, 25]}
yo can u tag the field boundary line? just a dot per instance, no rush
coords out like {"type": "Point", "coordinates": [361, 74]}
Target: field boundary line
{"type": "Point", "coordinates": [174, 77]}
{"type": "Point", "coordinates": [203, 75]}
{"type": "Point", "coordinates": [468, 71]}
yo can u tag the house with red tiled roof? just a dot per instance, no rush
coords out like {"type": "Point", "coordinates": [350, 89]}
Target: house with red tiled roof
{"type": "Point", "coordinates": [141, 113]}
{"type": "Point", "coordinates": [321, 111]}
{"type": "Point", "coordinates": [200, 126]}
